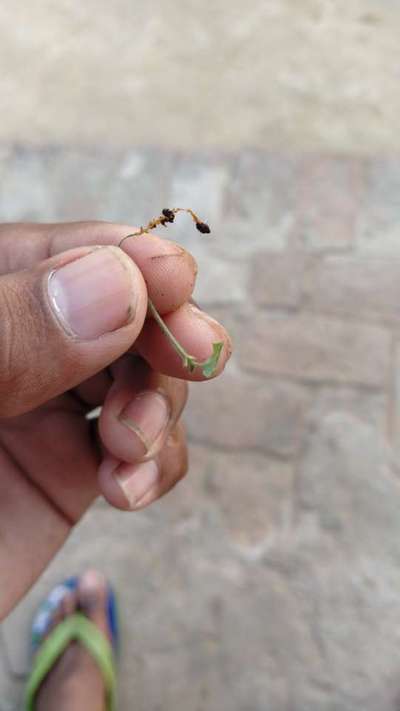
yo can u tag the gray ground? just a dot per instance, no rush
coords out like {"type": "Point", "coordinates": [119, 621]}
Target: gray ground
{"type": "Point", "coordinates": [270, 579]}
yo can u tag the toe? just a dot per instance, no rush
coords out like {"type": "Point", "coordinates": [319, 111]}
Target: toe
{"type": "Point", "coordinates": [92, 599]}
{"type": "Point", "coordinates": [58, 614]}
{"type": "Point", "coordinates": [69, 604]}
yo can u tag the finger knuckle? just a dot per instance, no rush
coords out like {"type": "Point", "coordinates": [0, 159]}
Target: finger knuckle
{"type": "Point", "coordinates": [20, 321]}
{"type": "Point", "coordinates": [9, 337]}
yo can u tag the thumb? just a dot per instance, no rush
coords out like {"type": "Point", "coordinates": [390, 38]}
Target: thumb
{"type": "Point", "coordinates": [65, 320]}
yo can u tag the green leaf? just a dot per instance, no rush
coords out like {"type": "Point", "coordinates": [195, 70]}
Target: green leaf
{"type": "Point", "coordinates": [209, 366]}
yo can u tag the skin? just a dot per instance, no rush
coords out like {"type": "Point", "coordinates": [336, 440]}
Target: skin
{"type": "Point", "coordinates": [53, 461]}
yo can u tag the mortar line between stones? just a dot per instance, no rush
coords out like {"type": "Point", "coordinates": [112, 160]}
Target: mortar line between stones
{"type": "Point", "coordinates": [224, 449]}
{"type": "Point", "coordinates": [392, 392]}
{"type": "Point", "coordinates": [282, 310]}
{"type": "Point", "coordinates": [298, 380]}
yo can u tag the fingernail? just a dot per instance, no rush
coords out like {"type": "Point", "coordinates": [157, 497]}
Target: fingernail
{"type": "Point", "coordinates": [137, 482]}
{"type": "Point", "coordinates": [147, 417]}
{"type": "Point", "coordinates": [217, 327]}
{"type": "Point", "coordinates": [195, 308]}
{"type": "Point", "coordinates": [94, 294]}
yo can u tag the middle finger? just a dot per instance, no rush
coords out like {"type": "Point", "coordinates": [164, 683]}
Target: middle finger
{"type": "Point", "coordinates": [140, 410]}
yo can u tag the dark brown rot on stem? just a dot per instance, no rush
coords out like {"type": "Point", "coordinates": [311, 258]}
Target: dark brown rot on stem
{"type": "Point", "coordinates": [168, 214]}
{"type": "Point", "coordinates": [203, 228]}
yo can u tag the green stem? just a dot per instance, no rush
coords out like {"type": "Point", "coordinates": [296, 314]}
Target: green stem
{"type": "Point", "coordinates": [208, 366]}
{"type": "Point", "coordinates": [186, 358]}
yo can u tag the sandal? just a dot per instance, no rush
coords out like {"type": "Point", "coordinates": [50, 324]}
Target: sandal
{"type": "Point", "coordinates": [76, 627]}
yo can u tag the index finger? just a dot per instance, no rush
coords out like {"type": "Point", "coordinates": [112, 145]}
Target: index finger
{"type": "Point", "coordinates": [168, 270]}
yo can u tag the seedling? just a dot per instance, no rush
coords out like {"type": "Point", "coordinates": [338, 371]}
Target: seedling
{"type": "Point", "coordinates": [208, 366]}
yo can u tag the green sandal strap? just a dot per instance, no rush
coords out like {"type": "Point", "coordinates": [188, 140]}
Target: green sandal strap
{"type": "Point", "coordinates": [78, 628]}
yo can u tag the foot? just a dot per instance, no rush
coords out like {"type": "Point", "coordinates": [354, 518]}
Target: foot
{"type": "Point", "coordinates": [75, 682]}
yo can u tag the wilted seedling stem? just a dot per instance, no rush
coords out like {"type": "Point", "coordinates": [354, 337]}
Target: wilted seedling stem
{"type": "Point", "coordinates": [208, 366]}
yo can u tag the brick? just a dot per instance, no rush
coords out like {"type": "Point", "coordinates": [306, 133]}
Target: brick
{"type": "Point", "coordinates": [135, 189]}
{"type": "Point", "coordinates": [358, 287]}
{"type": "Point", "coordinates": [71, 184]}
{"type": "Point", "coordinates": [316, 348]}
{"type": "Point", "coordinates": [369, 406]}
{"type": "Point", "coordinates": [247, 493]}
{"type": "Point", "coordinates": [220, 281]}
{"type": "Point", "coordinates": [238, 412]}
{"type": "Point", "coordinates": [345, 569]}
{"type": "Point", "coordinates": [328, 202]}
{"type": "Point", "coordinates": [198, 182]}
{"type": "Point", "coordinates": [394, 412]}
{"type": "Point", "coordinates": [378, 227]}
{"type": "Point", "coordinates": [253, 495]}
{"type": "Point", "coordinates": [259, 204]}
{"type": "Point", "coordinates": [26, 193]}
{"type": "Point", "coordinates": [277, 278]}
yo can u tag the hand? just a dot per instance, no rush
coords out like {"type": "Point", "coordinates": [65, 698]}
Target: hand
{"type": "Point", "coordinates": [74, 335]}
